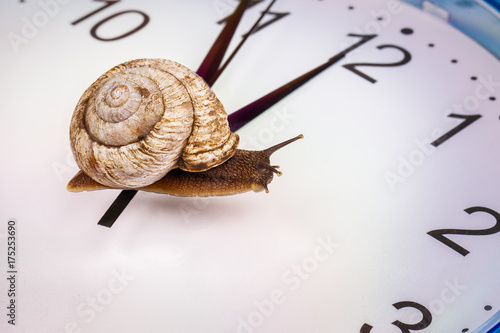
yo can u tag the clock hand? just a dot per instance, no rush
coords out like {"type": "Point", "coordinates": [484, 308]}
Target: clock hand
{"type": "Point", "coordinates": [213, 59]}
{"type": "Point", "coordinates": [254, 27]}
{"type": "Point", "coordinates": [247, 113]}
{"type": "Point", "coordinates": [207, 70]}
{"type": "Point", "coordinates": [117, 208]}
{"type": "Point", "coordinates": [241, 117]}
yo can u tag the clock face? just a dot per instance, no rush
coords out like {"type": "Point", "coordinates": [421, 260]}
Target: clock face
{"type": "Point", "coordinates": [386, 218]}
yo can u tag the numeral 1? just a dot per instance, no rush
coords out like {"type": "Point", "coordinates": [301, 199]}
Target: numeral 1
{"type": "Point", "coordinates": [468, 119]}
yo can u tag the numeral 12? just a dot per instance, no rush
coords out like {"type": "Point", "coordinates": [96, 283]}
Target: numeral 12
{"type": "Point", "coordinates": [406, 59]}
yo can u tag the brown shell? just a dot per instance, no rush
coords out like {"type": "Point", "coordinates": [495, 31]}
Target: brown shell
{"type": "Point", "coordinates": [145, 117]}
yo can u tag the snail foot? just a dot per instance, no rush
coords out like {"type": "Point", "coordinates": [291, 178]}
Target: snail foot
{"type": "Point", "coordinates": [82, 182]}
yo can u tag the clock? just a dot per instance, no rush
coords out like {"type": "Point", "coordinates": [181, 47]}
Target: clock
{"type": "Point", "coordinates": [386, 217]}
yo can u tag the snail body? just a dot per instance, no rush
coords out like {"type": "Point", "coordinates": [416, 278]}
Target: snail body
{"type": "Point", "coordinates": [154, 125]}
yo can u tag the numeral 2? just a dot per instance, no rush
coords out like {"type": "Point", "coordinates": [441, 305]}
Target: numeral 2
{"type": "Point", "coordinates": [406, 59]}
{"type": "Point", "coordinates": [439, 234]}
{"type": "Point", "coordinates": [405, 328]}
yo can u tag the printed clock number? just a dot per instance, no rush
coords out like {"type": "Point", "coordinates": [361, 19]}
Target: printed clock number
{"type": "Point", "coordinates": [248, 6]}
{"type": "Point", "coordinates": [276, 17]}
{"type": "Point", "coordinates": [407, 328]}
{"type": "Point", "coordinates": [93, 30]}
{"type": "Point", "coordinates": [439, 234]}
{"type": "Point", "coordinates": [106, 5]}
{"type": "Point", "coordinates": [468, 119]}
{"type": "Point", "coordinates": [406, 59]}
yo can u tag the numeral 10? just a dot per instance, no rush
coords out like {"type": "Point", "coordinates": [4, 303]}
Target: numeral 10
{"type": "Point", "coordinates": [109, 3]}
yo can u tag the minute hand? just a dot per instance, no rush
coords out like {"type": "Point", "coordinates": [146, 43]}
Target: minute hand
{"type": "Point", "coordinates": [247, 113]}
{"type": "Point", "coordinates": [244, 115]}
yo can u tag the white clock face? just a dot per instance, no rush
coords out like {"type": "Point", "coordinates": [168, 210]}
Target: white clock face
{"type": "Point", "coordinates": [386, 218]}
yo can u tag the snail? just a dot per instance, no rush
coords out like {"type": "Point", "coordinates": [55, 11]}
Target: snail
{"type": "Point", "coordinates": [155, 125]}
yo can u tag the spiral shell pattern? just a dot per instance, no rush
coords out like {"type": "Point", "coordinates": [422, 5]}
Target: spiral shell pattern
{"type": "Point", "coordinates": [145, 117]}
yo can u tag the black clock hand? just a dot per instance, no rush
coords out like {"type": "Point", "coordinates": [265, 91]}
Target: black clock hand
{"type": "Point", "coordinates": [117, 207]}
{"type": "Point", "coordinates": [239, 118]}
{"type": "Point", "coordinates": [208, 69]}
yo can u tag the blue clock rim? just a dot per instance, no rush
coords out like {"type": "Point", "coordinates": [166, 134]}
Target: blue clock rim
{"type": "Point", "coordinates": [480, 20]}
{"type": "Point", "coordinates": [492, 325]}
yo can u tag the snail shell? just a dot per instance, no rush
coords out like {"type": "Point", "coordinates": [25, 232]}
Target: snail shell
{"type": "Point", "coordinates": [145, 117]}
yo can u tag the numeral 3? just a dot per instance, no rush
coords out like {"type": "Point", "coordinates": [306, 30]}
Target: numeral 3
{"type": "Point", "coordinates": [407, 328]}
